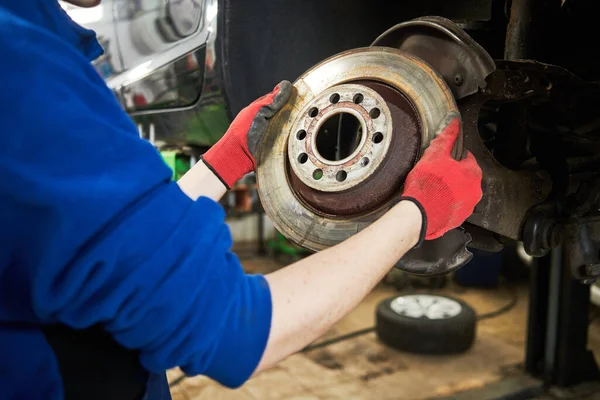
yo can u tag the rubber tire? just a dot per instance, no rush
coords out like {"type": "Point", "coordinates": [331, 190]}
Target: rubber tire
{"type": "Point", "coordinates": [424, 336]}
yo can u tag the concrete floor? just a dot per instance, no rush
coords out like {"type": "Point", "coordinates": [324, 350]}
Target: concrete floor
{"type": "Point", "coordinates": [363, 368]}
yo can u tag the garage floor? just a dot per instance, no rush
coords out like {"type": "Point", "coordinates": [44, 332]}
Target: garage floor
{"type": "Point", "coordinates": [362, 368]}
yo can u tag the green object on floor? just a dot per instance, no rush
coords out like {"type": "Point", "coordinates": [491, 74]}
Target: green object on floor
{"type": "Point", "coordinates": [177, 161]}
{"type": "Point", "coordinates": [280, 244]}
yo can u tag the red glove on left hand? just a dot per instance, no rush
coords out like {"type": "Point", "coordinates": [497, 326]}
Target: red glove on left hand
{"type": "Point", "coordinates": [232, 156]}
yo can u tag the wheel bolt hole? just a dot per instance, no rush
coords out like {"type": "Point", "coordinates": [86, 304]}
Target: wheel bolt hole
{"type": "Point", "coordinates": [341, 176]}
{"type": "Point", "coordinates": [358, 98]}
{"type": "Point", "coordinates": [364, 162]}
{"type": "Point", "coordinates": [377, 137]}
{"type": "Point", "coordinates": [301, 134]}
{"type": "Point", "coordinates": [317, 174]}
{"type": "Point", "coordinates": [302, 158]}
{"type": "Point", "coordinates": [458, 80]}
{"type": "Point", "coordinates": [334, 98]}
{"type": "Point", "coordinates": [313, 112]}
{"type": "Point", "coordinates": [374, 113]}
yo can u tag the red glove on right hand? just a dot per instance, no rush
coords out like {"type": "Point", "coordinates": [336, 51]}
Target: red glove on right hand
{"type": "Point", "coordinates": [446, 190]}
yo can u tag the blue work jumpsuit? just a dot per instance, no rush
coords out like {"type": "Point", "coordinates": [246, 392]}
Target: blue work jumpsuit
{"type": "Point", "coordinates": [109, 273]}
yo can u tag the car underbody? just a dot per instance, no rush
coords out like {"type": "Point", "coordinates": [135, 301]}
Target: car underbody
{"type": "Point", "coordinates": [530, 124]}
{"type": "Point", "coordinates": [373, 83]}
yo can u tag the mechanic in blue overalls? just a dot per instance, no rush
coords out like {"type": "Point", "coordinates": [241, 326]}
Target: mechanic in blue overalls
{"type": "Point", "coordinates": [110, 273]}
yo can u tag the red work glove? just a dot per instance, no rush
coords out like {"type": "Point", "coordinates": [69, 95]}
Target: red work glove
{"type": "Point", "coordinates": [444, 189]}
{"type": "Point", "coordinates": [232, 156]}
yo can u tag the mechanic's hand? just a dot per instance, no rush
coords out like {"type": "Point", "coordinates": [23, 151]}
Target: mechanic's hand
{"type": "Point", "coordinates": [446, 190]}
{"type": "Point", "coordinates": [233, 155]}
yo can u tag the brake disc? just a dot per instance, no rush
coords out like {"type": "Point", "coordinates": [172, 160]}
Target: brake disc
{"type": "Point", "coordinates": [335, 158]}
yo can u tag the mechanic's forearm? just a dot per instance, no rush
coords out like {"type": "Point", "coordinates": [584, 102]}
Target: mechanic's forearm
{"type": "Point", "coordinates": [311, 295]}
{"type": "Point", "coordinates": [201, 181]}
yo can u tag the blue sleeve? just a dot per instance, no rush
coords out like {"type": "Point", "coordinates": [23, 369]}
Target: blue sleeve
{"type": "Point", "coordinates": [96, 231]}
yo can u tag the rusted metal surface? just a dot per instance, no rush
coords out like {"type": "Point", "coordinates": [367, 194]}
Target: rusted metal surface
{"type": "Point", "coordinates": [518, 31]}
{"type": "Point", "coordinates": [508, 194]}
{"type": "Point", "coordinates": [447, 48]}
{"type": "Point", "coordinates": [464, 65]}
{"type": "Point", "coordinates": [349, 101]}
{"type": "Point", "coordinates": [433, 104]}
{"type": "Point", "coordinates": [472, 75]}
{"type": "Point", "coordinates": [556, 104]}
{"type": "Point", "coordinates": [387, 179]}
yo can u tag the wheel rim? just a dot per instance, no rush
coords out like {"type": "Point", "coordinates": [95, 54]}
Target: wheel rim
{"type": "Point", "coordinates": [426, 306]}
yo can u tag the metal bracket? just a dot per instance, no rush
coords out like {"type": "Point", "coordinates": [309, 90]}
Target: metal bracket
{"type": "Point", "coordinates": [574, 222]}
{"type": "Point", "coordinates": [440, 256]}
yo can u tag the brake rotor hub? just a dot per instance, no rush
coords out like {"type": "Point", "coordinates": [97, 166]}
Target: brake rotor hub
{"type": "Point", "coordinates": [342, 138]}
{"type": "Point", "coordinates": [353, 147]}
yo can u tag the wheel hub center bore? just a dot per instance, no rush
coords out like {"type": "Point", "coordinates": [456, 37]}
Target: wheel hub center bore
{"type": "Point", "coordinates": [340, 138]}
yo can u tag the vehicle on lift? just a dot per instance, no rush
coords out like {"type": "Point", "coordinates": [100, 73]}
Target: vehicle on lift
{"type": "Point", "coordinates": [520, 73]}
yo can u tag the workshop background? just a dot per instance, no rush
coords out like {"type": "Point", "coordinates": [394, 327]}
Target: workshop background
{"type": "Point", "coordinates": [351, 362]}
{"type": "Point", "coordinates": [503, 326]}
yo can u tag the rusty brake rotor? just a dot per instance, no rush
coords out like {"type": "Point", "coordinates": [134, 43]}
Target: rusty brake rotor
{"type": "Point", "coordinates": [386, 143]}
{"type": "Point", "coordinates": [335, 158]}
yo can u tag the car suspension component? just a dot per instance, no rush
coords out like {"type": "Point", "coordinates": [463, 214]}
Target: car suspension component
{"type": "Point", "coordinates": [335, 158]}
